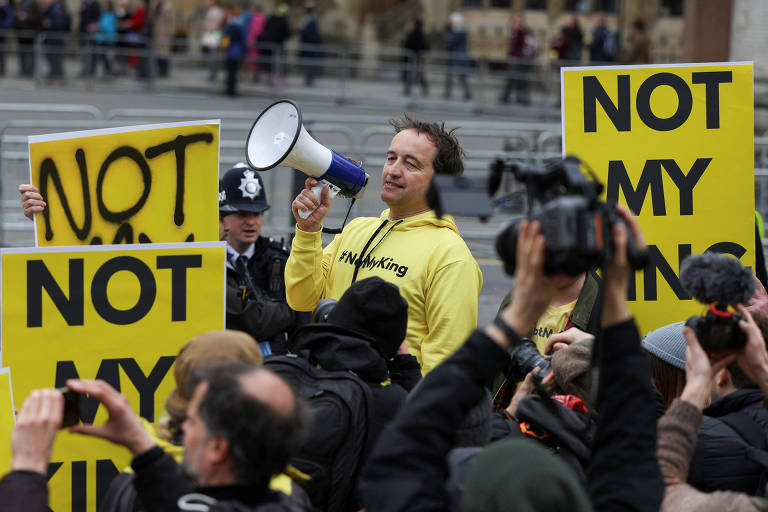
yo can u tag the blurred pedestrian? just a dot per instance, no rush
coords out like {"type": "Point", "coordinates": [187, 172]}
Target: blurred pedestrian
{"type": "Point", "coordinates": [210, 37]}
{"type": "Point", "coordinates": [135, 35]}
{"type": "Point", "coordinates": [574, 41]}
{"type": "Point", "coordinates": [105, 39]}
{"type": "Point", "coordinates": [604, 44]}
{"type": "Point", "coordinates": [6, 23]}
{"type": "Point", "coordinates": [28, 20]}
{"type": "Point", "coordinates": [458, 59]}
{"type": "Point", "coordinates": [234, 42]}
{"type": "Point", "coordinates": [56, 24]}
{"type": "Point", "coordinates": [415, 46]}
{"type": "Point", "coordinates": [124, 13]}
{"type": "Point", "coordinates": [639, 44]}
{"type": "Point", "coordinates": [90, 13]}
{"type": "Point", "coordinates": [163, 20]}
{"type": "Point", "coordinates": [311, 45]}
{"type": "Point", "coordinates": [520, 52]}
{"type": "Point", "coordinates": [255, 28]}
{"type": "Point", "coordinates": [276, 31]}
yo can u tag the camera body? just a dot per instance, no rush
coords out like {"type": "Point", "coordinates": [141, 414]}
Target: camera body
{"type": "Point", "coordinates": [524, 357]}
{"type": "Point", "coordinates": [718, 329]}
{"type": "Point", "coordinates": [718, 281]}
{"type": "Point", "coordinates": [577, 226]}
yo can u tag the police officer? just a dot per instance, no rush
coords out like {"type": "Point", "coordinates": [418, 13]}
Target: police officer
{"type": "Point", "coordinates": [255, 284]}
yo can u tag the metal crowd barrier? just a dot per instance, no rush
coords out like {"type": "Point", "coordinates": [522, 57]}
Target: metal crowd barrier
{"type": "Point", "coordinates": [363, 138]}
{"type": "Point", "coordinates": [342, 63]}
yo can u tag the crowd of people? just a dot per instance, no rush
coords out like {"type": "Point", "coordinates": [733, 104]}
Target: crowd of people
{"type": "Point", "coordinates": [353, 376]}
{"type": "Point", "coordinates": [138, 37]}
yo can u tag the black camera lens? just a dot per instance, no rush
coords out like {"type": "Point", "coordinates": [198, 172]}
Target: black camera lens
{"type": "Point", "coordinates": [322, 310]}
{"type": "Point", "coordinates": [506, 247]}
{"type": "Point", "coordinates": [523, 358]}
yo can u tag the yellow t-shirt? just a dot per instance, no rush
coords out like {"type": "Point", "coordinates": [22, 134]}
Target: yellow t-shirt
{"type": "Point", "coordinates": [552, 321]}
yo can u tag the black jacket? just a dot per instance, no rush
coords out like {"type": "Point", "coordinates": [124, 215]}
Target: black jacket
{"type": "Point", "coordinates": [335, 348]}
{"type": "Point", "coordinates": [723, 459]}
{"type": "Point", "coordinates": [24, 491]}
{"type": "Point", "coordinates": [266, 315]}
{"type": "Point", "coordinates": [624, 473]}
{"type": "Point", "coordinates": [567, 433]}
{"type": "Point", "coordinates": [408, 467]}
{"type": "Point", "coordinates": [276, 30]}
{"type": "Point", "coordinates": [160, 486]}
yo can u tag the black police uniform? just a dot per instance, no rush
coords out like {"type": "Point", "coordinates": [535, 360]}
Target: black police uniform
{"type": "Point", "coordinates": [256, 293]}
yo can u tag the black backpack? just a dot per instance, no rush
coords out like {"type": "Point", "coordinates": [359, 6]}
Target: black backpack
{"type": "Point", "coordinates": [341, 405]}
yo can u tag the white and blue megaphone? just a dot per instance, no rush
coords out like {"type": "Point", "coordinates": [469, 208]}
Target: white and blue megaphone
{"type": "Point", "coordinates": [279, 138]}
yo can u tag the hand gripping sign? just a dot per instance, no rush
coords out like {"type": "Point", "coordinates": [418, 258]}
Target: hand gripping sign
{"type": "Point", "coordinates": [675, 144]}
{"type": "Point", "coordinates": [153, 183]}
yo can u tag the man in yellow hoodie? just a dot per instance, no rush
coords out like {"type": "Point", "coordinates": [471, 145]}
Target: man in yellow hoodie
{"type": "Point", "coordinates": [407, 245]}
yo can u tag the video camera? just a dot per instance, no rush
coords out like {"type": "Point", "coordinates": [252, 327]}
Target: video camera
{"type": "Point", "coordinates": [720, 282]}
{"type": "Point", "coordinates": [577, 226]}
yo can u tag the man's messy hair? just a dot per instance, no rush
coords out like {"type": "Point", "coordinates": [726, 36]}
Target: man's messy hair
{"type": "Point", "coordinates": [448, 159]}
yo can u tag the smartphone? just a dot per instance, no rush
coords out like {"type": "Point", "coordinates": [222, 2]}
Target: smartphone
{"type": "Point", "coordinates": [71, 408]}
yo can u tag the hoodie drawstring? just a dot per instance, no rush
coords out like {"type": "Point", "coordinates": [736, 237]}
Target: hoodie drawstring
{"type": "Point", "coordinates": [359, 260]}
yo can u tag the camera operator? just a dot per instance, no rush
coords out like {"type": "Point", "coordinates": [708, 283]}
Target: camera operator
{"type": "Point", "coordinates": [731, 451]}
{"type": "Point", "coordinates": [408, 465]}
{"type": "Point", "coordinates": [571, 314]}
{"type": "Point", "coordinates": [557, 413]}
{"type": "Point", "coordinates": [678, 427]}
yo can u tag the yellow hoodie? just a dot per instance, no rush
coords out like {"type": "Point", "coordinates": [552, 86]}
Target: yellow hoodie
{"type": "Point", "coordinates": [423, 255]}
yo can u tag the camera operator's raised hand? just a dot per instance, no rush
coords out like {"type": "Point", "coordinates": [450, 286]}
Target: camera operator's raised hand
{"type": "Point", "coordinates": [31, 200]}
{"type": "Point", "coordinates": [36, 427]}
{"type": "Point", "coordinates": [527, 387]}
{"type": "Point", "coordinates": [615, 308]}
{"type": "Point", "coordinates": [758, 301]}
{"type": "Point", "coordinates": [533, 290]}
{"type": "Point", "coordinates": [122, 426]}
{"type": "Point", "coordinates": [699, 370]}
{"type": "Point", "coordinates": [561, 340]}
{"type": "Point", "coordinates": [308, 201]}
{"type": "Point", "coordinates": [753, 358]}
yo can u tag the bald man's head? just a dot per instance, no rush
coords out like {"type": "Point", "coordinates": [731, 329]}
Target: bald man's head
{"type": "Point", "coordinates": [257, 413]}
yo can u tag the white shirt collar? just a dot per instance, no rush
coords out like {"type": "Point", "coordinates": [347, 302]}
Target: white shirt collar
{"type": "Point", "coordinates": [233, 255]}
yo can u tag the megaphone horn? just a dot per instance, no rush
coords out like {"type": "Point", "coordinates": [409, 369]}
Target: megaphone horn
{"type": "Point", "coordinates": [278, 137]}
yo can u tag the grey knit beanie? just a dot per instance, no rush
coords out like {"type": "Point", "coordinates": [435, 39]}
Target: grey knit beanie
{"type": "Point", "coordinates": [668, 344]}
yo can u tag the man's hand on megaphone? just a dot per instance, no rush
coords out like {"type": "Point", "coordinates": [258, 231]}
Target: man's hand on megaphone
{"type": "Point", "coordinates": [307, 200]}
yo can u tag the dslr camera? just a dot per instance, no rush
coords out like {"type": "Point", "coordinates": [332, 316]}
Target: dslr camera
{"type": "Point", "coordinates": [524, 357]}
{"type": "Point", "coordinates": [577, 226]}
{"type": "Point", "coordinates": [720, 282]}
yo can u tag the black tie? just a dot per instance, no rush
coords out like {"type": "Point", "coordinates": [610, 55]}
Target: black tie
{"type": "Point", "coordinates": [242, 269]}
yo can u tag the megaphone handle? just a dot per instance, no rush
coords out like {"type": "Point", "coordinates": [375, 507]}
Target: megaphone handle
{"type": "Point", "coordinates": [318, 191]}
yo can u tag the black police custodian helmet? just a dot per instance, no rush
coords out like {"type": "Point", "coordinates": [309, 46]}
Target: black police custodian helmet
{"type": "Point", "coordinates": [242, 188]}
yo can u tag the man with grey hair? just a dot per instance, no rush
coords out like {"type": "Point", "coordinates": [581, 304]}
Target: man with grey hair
{"type": "Point", "coordinates": [243, 425]}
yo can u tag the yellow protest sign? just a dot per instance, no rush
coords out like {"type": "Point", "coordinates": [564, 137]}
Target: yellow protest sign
{"type": "Point", "coordinates": [7, 420]}
{"type": "Point", "coordinates": [153, 183]}
{"type": "Point", "coordinates": [675, 144]}
{"type": "Point", "coordinates": [118, 313]}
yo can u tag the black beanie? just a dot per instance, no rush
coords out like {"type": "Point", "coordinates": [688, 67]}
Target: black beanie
{"type": "Point", "coordinates": [373, 308]}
